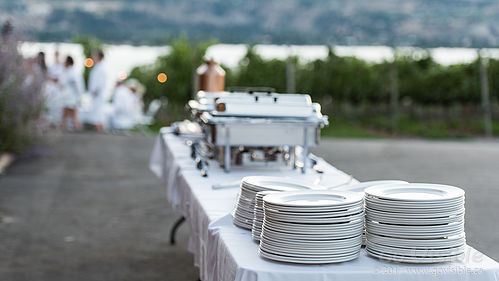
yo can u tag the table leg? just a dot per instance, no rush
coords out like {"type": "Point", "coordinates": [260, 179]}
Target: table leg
{"type": "Point", "coordinates": [227, 155]}
{"type": "Point", "coordinates": [174, 229]}
{"type": "Point", "coordinates": [305, 150]}
{"type": "Point", "coordinates": [294, 157]}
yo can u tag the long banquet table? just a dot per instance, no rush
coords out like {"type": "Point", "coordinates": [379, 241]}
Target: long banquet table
{"type": "Point", "coordinates": [225, 252]}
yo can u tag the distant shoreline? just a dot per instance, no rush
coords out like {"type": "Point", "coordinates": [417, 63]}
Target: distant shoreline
{"type": "Point", "coordinates": [230, 54]}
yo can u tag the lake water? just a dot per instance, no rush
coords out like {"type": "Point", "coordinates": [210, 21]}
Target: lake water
{"type": "Point", "coordinates": [122, 58]}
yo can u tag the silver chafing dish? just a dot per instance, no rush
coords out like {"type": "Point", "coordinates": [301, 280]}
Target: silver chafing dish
{"type": "Point", "coordinates": [241, 126]}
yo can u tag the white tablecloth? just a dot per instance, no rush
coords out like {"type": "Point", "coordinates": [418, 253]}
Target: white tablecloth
{"type": "Point", "coordinates": [225, 252]}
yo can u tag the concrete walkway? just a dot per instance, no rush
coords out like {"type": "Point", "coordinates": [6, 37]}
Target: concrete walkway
{"type": "Point", "coordinates": [89, 208]}
{"type": "Point", "coordinates": [471, 165]}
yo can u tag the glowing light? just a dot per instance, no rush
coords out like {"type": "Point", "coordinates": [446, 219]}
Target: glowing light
{"type": "Point", "coordinates": [122, 75]}
{"type": "Point", "coordinates": [89, 62]}
{"type": "Point", "coordinates": [162, 77]}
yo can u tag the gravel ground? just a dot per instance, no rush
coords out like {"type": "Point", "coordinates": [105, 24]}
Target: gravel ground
{"type": "Point", "coordinates": [86, 207]}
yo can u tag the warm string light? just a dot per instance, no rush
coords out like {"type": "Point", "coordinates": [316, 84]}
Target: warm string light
{"type": "Point", "coordinates": [162, 77]}
{"type": "Point", "coordinates": [89, 62]}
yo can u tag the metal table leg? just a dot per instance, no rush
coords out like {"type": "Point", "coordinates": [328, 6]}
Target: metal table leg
{"type": "Point", "coordinates": [305, 150]}
{"type": "Point", "coordinates": [174, 229]}
{"type": "Point", "coordinates": [227, 155]}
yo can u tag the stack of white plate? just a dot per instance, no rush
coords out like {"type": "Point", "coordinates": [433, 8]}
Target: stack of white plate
{"type": "Point", "coordinates": [361, 186]}
{"type": "Point", "coordinates": [415, 223]}
{"type": "Point", "coordinates": [312, 227]}
{"type": "Point", "coordinates": [250, 186]}
{"type": "Point", "coordinates": [256, 230]}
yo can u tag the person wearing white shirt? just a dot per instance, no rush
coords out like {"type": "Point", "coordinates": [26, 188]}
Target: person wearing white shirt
{"type": "Point", "coordinates": [138, 90]}
{"type": "Point", "coordinates": [52, 91]}
{"type": "Point", "coordinates": [96, 86]}
{"type": "Point", "coordinates": [55, 70]}
{"type": "Point", "coordinates": [124, 107]}
{"type": "Point", "coordinates": [71, 90]}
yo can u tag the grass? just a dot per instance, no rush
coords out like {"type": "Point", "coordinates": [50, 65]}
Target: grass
{"type": "Point", "coordinates": [340, 128]}
{"type": "Point", "coordinates": [381, 127]}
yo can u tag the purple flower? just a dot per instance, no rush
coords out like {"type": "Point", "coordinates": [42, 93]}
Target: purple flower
{"type": "Point", "coordinates": [21, 101]}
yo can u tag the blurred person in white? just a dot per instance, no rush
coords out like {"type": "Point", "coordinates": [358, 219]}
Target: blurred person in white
{"type": "Point", "coordinates": [126, 104]}
{"type": "Point", "coordinates": [55, 70]}
{"type": "Point", "coordinates": [40, 66]}
{"type": "Point", "coordinates": [36, 68]}
{"type": "Point", "coordinates": [138, 89]}
{"type": "Point", "coordinates": [96, 86]}
{"type": "Point", "coordinates": [71, 91]}
{"type": "Point", "coordinates": [52, 91]}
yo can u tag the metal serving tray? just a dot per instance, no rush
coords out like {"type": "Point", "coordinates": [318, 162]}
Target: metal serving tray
{"type": "Point", "coordinates": [257, 120]}
{"type": "Point", "coordinates": [228, 132]}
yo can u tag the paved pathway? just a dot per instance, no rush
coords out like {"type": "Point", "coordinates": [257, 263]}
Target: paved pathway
{"type": "Point", "coordinates": [471, 165]}
{"type": "Point", "coordinates": [89, 208]}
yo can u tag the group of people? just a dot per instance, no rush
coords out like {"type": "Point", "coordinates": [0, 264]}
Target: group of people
{"type": "Point", "coordinates": [65, 88]}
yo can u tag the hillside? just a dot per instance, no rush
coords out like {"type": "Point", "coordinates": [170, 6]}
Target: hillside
{"type": "Point", "coordinates": [468, 23]}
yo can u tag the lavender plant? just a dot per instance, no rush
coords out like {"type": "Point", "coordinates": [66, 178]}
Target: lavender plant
{"type": "Point", "coordinates": [21, 100]}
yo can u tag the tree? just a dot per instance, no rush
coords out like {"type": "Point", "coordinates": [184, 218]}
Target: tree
{"type": "Point", "coordinates": [179, 65]}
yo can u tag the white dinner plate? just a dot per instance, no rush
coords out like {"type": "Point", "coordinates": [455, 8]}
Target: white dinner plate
{"type": "Point", "coordinates": [311, 247]}
{"type": "Point", "coordinates": [415, 252]}
{"type": "Point", "coordinates": [322, 226]}
{"type": "Point", "coordinates": [307, 260]}
{"type": "Point", "coordinates": [244, 214]}
{"type": "Point", "coordinates": [313, 231]}
{"type": "Point", "coordinates": [415, 215]}
{"type": "Point", "coordinates": [447, 242]}
{"type": "Point", "coordinates": [246, 224]}
{"type": "Point", "coordinates": [305, 211]}
{"type": "Point", "coordinates": [457, 209]}
{"type": "Point", "coordinates": [331, 244]}
{"type": "Point", "coordinates": [317, 220]}
{"type": "Point", "coordinates": [415, 192]}
{"type": "Point", "coordinates": [414, 221]}
{"type": "Point", "coordinates": [321, 218]}
{"type": "Point", "coordinates": [262, 183]}
{"type": "Point", "coordinates": [408, 235]}
{"type": "Point", "coordinates": [361, 186]}
{"type": "Point", "coordinates": [313, 198]}
{"type": "Point", "coordinates": [404, 205]}
{"type": "Point", "coordinates": [308, 237]}
{"type": "Point", "coordinates": [358, 206]}
{"type": "Point", "coordinates": [412, 205]}
{"type": "Point", "coordinates": [412, 191]}
{"type": "Point", "coordinates": [308, 251]}
{"type": "Point", "coordinates": [416, 228]}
